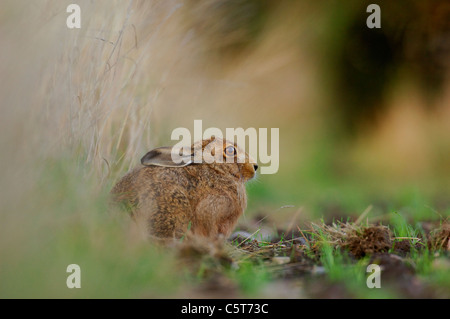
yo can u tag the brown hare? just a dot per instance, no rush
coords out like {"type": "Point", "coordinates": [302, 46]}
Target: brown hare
{"type": "Point", "coordinates": [205, 197]}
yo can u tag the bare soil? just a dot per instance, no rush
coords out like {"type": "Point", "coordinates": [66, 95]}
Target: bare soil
{"type": "Point", "coordinates": [294, 260]}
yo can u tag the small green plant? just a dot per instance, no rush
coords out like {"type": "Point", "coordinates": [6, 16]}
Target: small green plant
{"type": "Point", "coordinates": [403, 230]}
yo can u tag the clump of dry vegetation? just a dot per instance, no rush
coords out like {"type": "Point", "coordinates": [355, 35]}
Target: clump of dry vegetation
{"type": "Point", "coordinates": [358, 240]}
{"type": "Point", "coordinates": [440, 238]}
{"type": "Point", "coordinates": [373, 239]}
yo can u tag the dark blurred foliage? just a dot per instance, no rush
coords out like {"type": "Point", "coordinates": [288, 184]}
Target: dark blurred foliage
{"type": "Point", "coordinates": [413, 41]}
{"type": "Point", "coordinates": [360, 64]}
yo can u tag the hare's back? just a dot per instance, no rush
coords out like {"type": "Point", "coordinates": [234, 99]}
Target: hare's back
{"type": "Point", "coordinates": [164, 200]}
{"type": "Point", "coordinates": [125, 189]}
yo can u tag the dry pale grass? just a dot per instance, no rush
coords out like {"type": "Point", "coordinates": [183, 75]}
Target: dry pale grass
{"type": "Point", "coordinates": [135, 71]}
{"type": "Point", "coordinates": [440, 238]}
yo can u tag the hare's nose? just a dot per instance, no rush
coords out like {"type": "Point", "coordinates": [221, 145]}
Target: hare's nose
{"type": "Point", "coordinates": [255, 166]}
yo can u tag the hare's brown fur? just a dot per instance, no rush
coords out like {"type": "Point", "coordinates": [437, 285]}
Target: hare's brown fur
{"type": "Point", "coordinates": [205, 198]}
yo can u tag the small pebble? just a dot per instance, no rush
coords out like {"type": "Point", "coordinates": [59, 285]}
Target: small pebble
{"type": "Point", "coordinates": [281, 260]}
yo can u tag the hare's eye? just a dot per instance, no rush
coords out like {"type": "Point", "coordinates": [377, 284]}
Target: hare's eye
{"type": "Point", "coordinates": [230, 151]}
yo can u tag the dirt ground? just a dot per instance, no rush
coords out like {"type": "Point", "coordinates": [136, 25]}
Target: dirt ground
{"type": "Point", "coordinates": [296, 261]}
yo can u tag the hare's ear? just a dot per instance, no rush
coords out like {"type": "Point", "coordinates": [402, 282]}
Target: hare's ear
{"type": "Point", "coordinates": [162, 156]}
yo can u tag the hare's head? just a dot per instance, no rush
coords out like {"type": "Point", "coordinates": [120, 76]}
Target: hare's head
{"type": "Point", "coordinates": [220, 155]}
